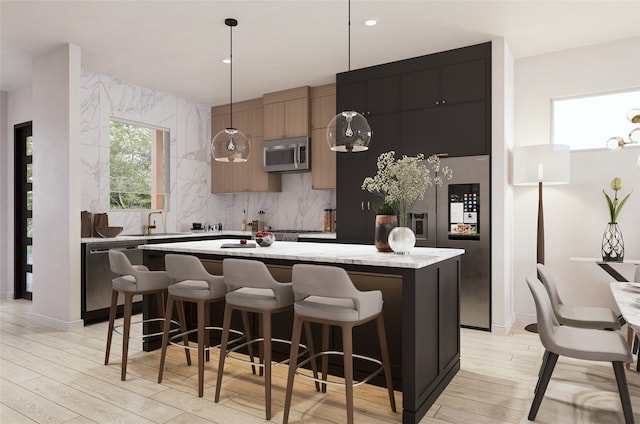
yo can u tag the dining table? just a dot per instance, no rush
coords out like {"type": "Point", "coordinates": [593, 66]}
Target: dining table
{"type": "Point", "coordinates": [627, 297]}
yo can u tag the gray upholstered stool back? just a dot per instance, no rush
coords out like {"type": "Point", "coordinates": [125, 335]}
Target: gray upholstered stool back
{"type": "Point", "coordinates": [188, 270]}
{"type": "Point", "coordinates": [323, 285]}
{"type": "Point", "coordinates": [242, 275]}
{"type": "Point", "coordinates": [143, 279]}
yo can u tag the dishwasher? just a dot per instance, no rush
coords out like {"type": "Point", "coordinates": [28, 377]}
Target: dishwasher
{"type": "Point", "coordinates": [97, 276]}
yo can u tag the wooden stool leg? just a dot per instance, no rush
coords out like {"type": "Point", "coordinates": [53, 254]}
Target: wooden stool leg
{"type": "Point", "coordinates": [293, 362]}
{"type": "Point", "coordinates": [183, 326]}
{"type": "Point", "coordinates": [312, 351]}
{"type": "Point", "coordinates": [128, 304]}
{"type": "Point", "coordinates": [266, 334]}
{"type": "Point", "coordinates": [325, 359]}
{"type": "Point", "coordinates": [112, 317]}
{"type": "Point", "coordinates": [226, 323]}
{"type": "Point", "coordinates": [347, 347]}
{"type": "Point", "coordinates": [382, 336]}
{"type": "Point", "coordinates": [201, 343]}
{"type": "Point", "coordinates": [165, 338]}
{"type": "Point", "coordinates": [247, 334]}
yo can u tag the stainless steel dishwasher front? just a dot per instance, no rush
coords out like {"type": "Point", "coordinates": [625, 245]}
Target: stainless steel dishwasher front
{"type": "Point", "coordinates": [97, 276]}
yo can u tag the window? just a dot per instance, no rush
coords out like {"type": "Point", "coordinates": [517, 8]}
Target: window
{"type": "Point", "coordinates": [587, 122]}
{"type": "Point", "coordinates": [139, 166]}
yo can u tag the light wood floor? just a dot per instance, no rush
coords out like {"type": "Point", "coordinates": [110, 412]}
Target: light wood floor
{"type": "Point", "coordinates": [59, 377]}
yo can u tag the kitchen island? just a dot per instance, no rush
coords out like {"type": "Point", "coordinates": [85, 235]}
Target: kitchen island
{"type": "Point", "coordinates": [421, 304]}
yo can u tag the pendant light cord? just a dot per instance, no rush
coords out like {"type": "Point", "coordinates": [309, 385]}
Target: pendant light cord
{"type": "Point", "coordinates": [349, 58]}
{"type": "Point", "coordinates": [231, 77]}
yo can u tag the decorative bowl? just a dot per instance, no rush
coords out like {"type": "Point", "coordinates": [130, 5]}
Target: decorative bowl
{"type": "Point", "coordinates": [265, 238]}
{"type": "Point", "coordinates": [108, 232]}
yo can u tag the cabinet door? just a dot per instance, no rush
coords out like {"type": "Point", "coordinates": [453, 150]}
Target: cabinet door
{"type": "Point", "coordinates": [273, 121]}
{"type": "Point", "coordinates": [356, 207]}
{"type": "Point", "coordinates": [464, 82]}
{"type": "Point", "coordinates": [453, 129]}
{"type": "Point", "coordinates": [420, 89]}
{"type": "Point", "coordinates": [382, 95]}
{"type": "Point", "coordinates": [296, 118]}
{"type": "Point", "coordinates": [323, 161]}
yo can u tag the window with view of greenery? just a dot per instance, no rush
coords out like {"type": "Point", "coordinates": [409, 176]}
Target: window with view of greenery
{"type": "Point", "coordinates": [139, 166]}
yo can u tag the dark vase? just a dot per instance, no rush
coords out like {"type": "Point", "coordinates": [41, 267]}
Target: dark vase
{"type": "Point", "coordinates": [384, 225]}
{"type": "Point", "coordinates": [612, 243]}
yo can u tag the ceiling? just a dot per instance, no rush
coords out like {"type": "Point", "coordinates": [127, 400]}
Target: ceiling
{"type": "Point", "coordinates": [177, 46]}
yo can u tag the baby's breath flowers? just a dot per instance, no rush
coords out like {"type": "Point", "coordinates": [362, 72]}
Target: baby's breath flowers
{"type": "Point", "coordinates": [615, 205]}
{"type": "Point", "coordinates": [402, 182]}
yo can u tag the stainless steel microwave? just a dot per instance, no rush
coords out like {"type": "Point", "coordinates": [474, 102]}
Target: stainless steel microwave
{"type": "Point", "coordinates": [286, 155]}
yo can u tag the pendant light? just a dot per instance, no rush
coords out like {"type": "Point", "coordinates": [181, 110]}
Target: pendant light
{"type": "Point", "coordinates": [349, 131]}
{"type": "Point", "coordinates": [230, 145]}
{"type": "Point", "coordinates": [617, 143]}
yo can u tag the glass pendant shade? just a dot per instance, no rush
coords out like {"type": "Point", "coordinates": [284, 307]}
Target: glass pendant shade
{"type": "Point", "coordinates": [230, 145]}
{"type": "Point", "coordinates": [634, 136]}
{"type": "Point", "coordinates": [634, 116]}
{"type": "Point", "coordinates": [348, 131]}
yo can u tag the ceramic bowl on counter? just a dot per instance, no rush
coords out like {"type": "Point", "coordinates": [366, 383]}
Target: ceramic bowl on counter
{"type": "Point", "coordinates": [265, 238]}
{"type": "Point", "coordinates": [108, 232]}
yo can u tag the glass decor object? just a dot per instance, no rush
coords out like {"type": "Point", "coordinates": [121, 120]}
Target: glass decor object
{"type": "Point", "coordinates": [612, 243]}
{"type": "Point", "coordinates": [402, 240]}
{"type": "Point", "coordinates": [349, 130]}
{"type": "Point", "coordinates": [230, 145]}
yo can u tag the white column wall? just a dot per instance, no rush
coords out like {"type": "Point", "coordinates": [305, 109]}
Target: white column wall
{"type": "Point", "coordinates": [575, 214]}
{"type": "Point", "coordinates": [502, 316]}
{"type": "Point", "coordinates": [56, 195]}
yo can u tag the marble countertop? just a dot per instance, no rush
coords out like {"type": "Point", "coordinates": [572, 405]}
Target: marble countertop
{"type": "Point", "coordinates": [354, 254]}
{"type": "Point", "coordinates": [247, 234]}
{"type": "Point", "coordinates": [627, 297]}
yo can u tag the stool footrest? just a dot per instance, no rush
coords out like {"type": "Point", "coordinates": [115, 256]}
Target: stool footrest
{"type": "Point", "coordinates": [337, 383]}
{"type": "Point", "coordinates": [195, 346]}
{"type": "Point", "coordinates": [116, 328]}
{"type": "Point", "coordinates": [260, 339]}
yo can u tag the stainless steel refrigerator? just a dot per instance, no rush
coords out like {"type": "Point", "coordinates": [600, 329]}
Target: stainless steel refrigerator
{"type": "Point", "coordinates": [457, 214]}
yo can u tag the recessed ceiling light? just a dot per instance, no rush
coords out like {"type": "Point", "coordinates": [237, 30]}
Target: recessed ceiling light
{"type": "Point", "coordinates": [371, 22]}
{"type": "Point", "coordinates": [227, 61]}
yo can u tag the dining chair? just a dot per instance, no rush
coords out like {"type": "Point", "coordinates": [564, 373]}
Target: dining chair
{"type": "Point", "coordinates": [580, 343]}
{"type": "Point", "coordinates": [596, 317]}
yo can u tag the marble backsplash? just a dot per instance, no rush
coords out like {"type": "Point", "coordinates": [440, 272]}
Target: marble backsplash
{"type": "Point", "coordinates": [190, 200]}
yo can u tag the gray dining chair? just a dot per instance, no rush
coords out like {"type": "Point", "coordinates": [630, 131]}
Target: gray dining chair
{"type": "Point", "coordinates": [580, 343]}
{"type": "Point", "coordinates": [573, 315]}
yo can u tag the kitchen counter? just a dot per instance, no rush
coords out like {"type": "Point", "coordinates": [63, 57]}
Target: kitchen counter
{"type": "Point", "coordinates": [334, 253]}
{"type": "Point", "coordinates": [421, 306]}
{"type": "Point", "coordinates": [159, 236]}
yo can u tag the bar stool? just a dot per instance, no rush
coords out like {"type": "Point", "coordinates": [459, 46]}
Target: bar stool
{"type": "Point", "coordinates": [195, 285]}
{"type": "Point", "coordinates": [133, 280]}
{"type": "Point", "coordinates": [326, 295]}
{"type": "Point", "coordinates": [251, 288]}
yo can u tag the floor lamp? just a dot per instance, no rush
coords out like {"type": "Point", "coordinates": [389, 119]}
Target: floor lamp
{"type": "Point", "coordinates": [546, 164]}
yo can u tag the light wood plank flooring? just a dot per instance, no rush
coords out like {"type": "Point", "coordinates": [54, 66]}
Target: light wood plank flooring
{"type": "Point", "coordinates": [59, 377]}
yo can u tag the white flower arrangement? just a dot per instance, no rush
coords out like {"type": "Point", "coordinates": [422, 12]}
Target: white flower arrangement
{"type": "Point", "coordinates": [404, 181]}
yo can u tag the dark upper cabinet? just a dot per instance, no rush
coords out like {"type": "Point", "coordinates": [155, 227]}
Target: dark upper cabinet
{"type": "Point", "coordinates": [439, 103]}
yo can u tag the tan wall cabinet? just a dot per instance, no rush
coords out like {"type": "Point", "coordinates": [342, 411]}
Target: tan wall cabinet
{"type": "Point", "coordinates": [286, 113]}
{"type": "Point", "coordinates": [246, 176]}
{"type": "Point", "coordinates": [323, 159]}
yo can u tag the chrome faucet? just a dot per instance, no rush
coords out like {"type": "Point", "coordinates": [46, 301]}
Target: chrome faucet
{"type": "Point", "coordinates": [151, 226]}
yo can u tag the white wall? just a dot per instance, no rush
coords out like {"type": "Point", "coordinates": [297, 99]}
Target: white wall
{"type": "Point", "coordinates": [575, 214]}
{"type": "Point", "coordinates": [19, 109]}
{"type": "Point", "coordinates": [56, 188]}
{"type": "Point", "coordinates": [502, 316]}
